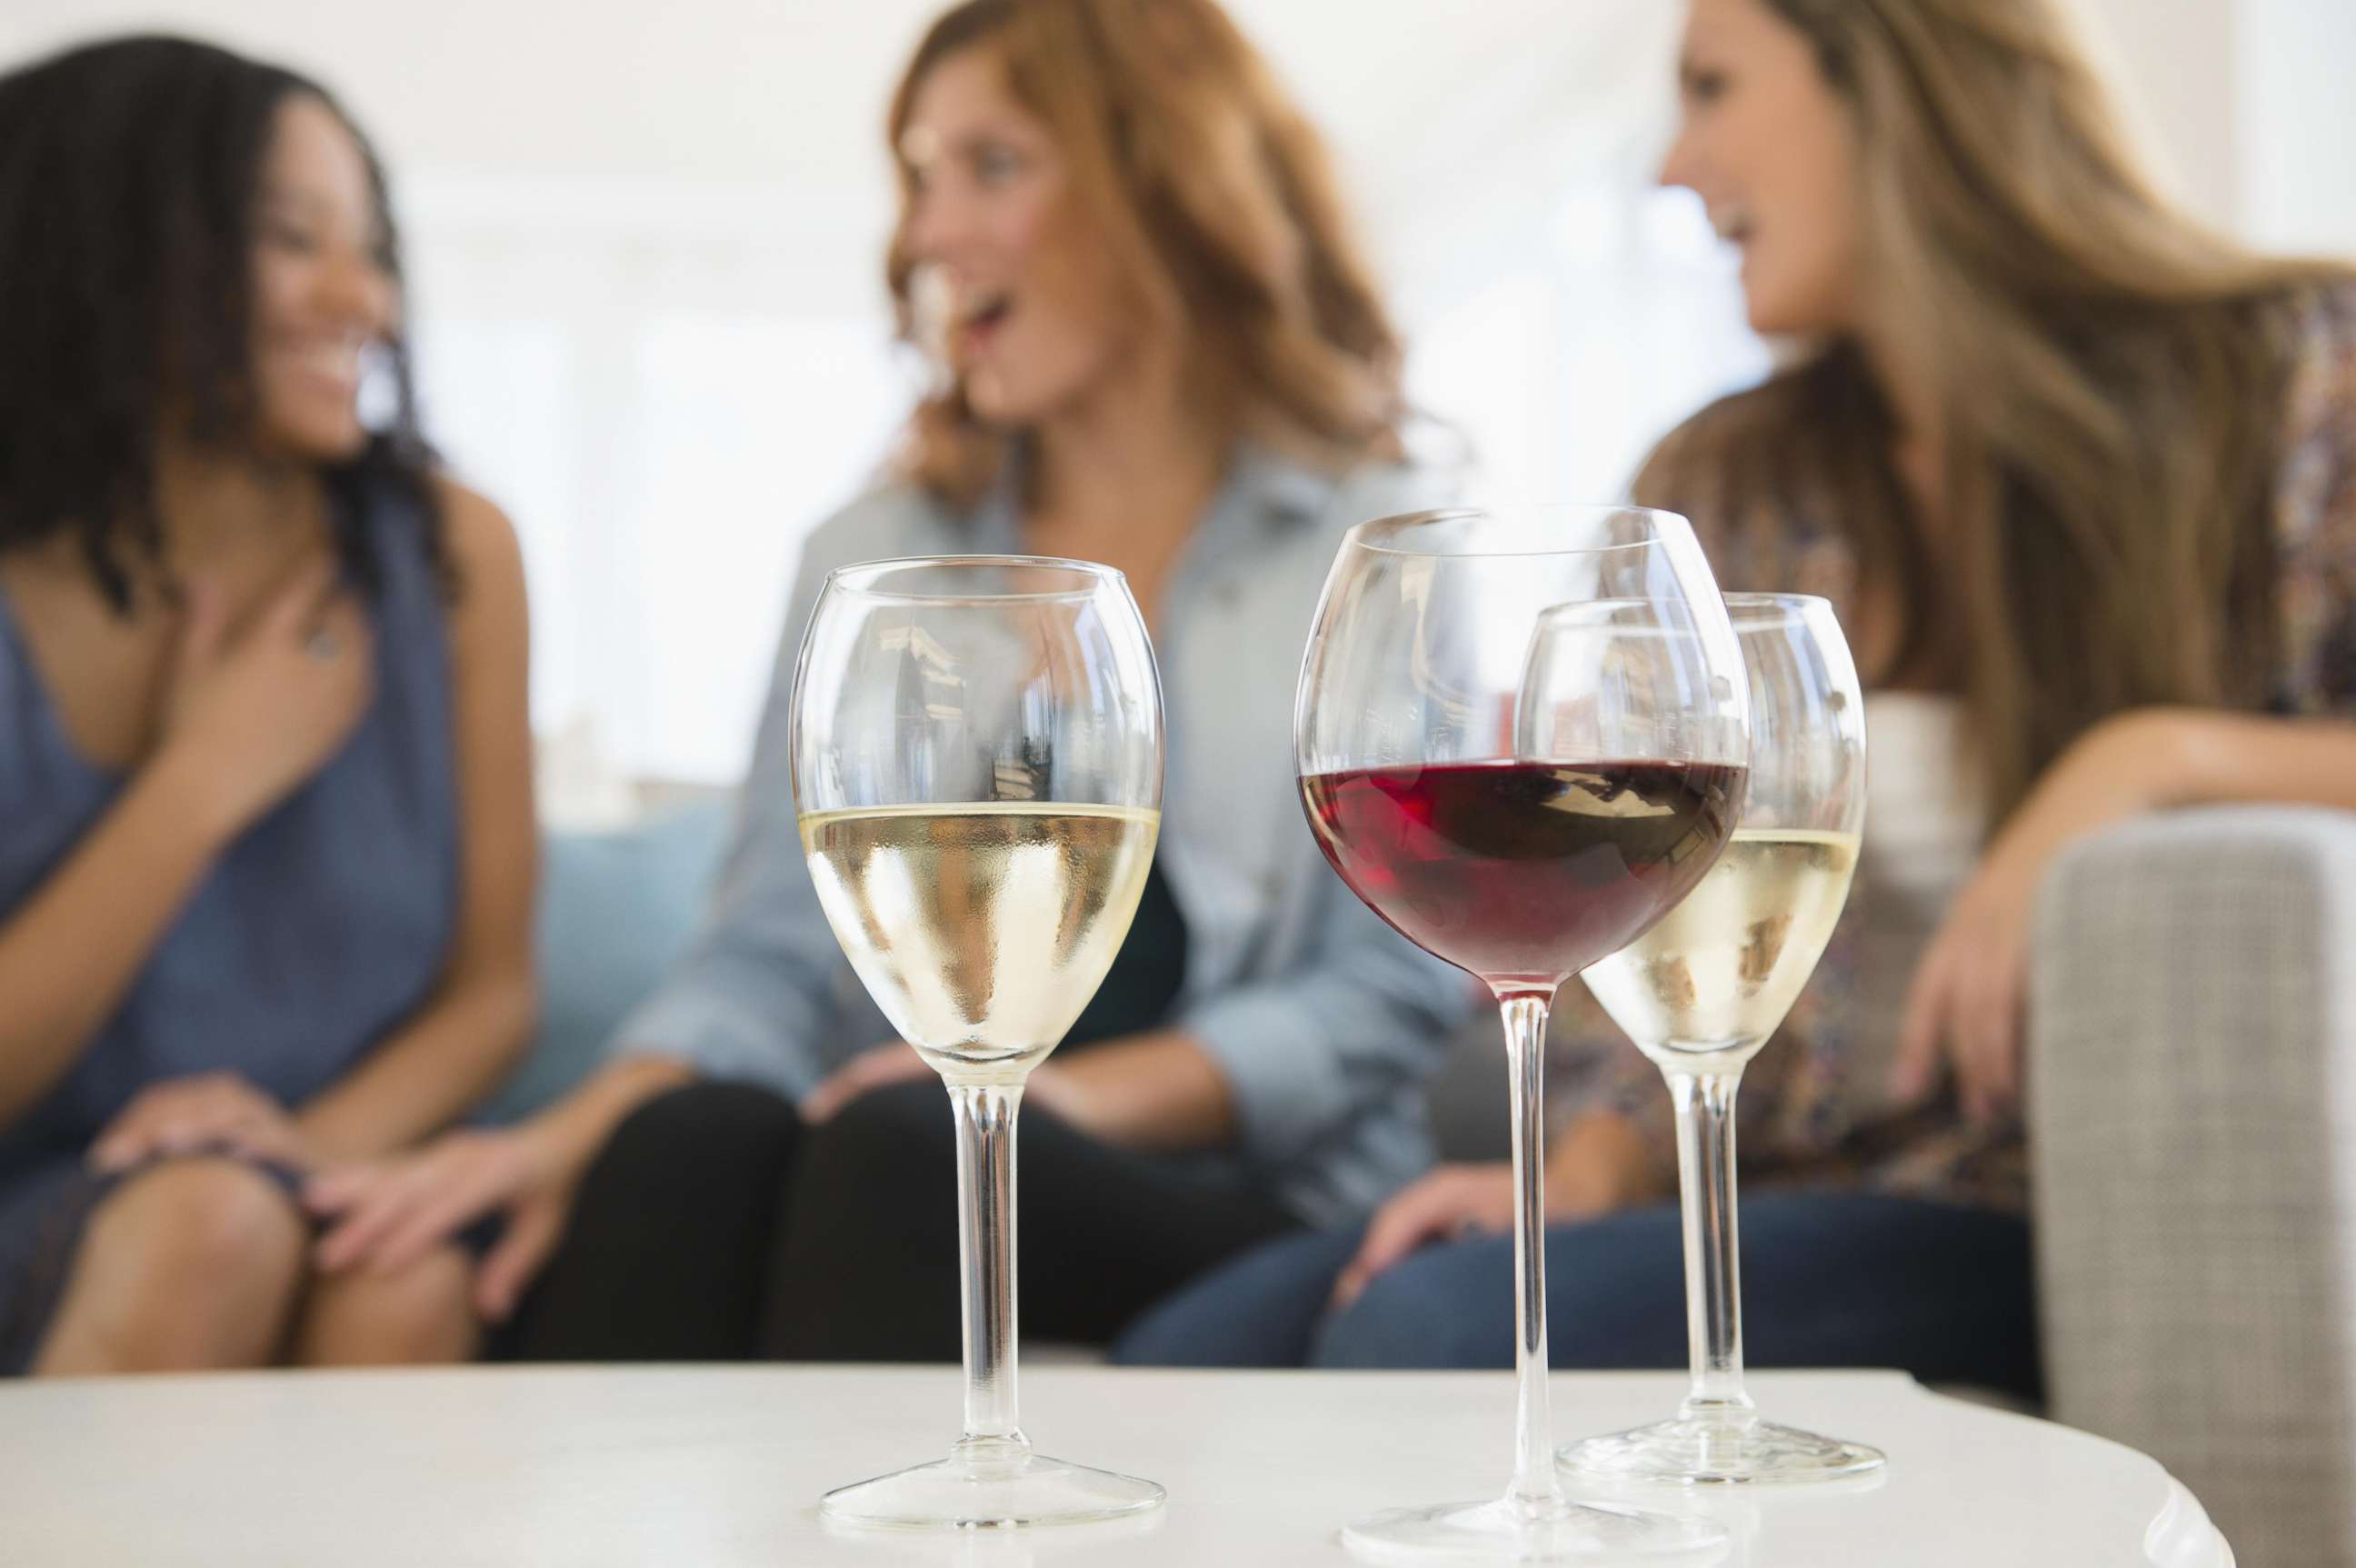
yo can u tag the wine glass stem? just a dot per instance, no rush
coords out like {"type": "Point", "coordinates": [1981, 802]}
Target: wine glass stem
{"type": "Point", "coordinates": [985, 1135]}
{"type": "Point", "coordinates": [1534, 1476]}
{"type": "Point", "coordinates": [1704, 1104]}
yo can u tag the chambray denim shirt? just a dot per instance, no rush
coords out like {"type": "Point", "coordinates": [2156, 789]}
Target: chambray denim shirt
{"type": "Point", "coordinates": [1325, 1021]}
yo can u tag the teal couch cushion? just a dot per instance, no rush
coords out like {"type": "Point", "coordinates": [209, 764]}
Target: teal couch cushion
{"type": "Point", "coordinates": [616, 910]}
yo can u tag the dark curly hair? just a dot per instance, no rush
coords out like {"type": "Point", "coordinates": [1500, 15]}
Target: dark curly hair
{"type": "Point", "coordinates": [128, 176]}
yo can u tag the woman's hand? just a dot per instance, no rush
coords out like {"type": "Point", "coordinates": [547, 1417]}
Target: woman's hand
{"type": "Point", "coordinates": [894, 1061]}
{"type": "Point", "coordinates": [1964, 1011]}
{"type": "Point", "coordinates": [256, 711]}
{"type": "Point", "coordinates": [1056, 1091]}
{"type": "Point", "coordinates": [217, 1111]}
{"type": "Point", "coordinates": [1048, 1088]}
{"type": "Point", "coordinates": [385, 1214]}
{"type": "Point", "coordinates": [1598, 1163]}
{"type": "Point", "coordinates": [1441, 1205]}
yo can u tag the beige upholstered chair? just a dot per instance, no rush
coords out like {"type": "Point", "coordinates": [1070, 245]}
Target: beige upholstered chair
{"type": "Point", "coordinates": [2192, 1111]}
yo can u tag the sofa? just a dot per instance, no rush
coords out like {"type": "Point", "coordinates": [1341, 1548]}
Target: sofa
{"type": "Point", "coordinates": [2193, 1116]}
{"type": "Point", "coordinates": [2192, 1110]}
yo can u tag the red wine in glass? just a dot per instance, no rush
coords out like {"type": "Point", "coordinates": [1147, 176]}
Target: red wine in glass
{"type": "Point", "coordinates": [1524, 873]}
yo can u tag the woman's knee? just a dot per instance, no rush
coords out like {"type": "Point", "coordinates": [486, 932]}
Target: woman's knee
{"type": "Point", "coordinates": [670, 1234]}
{"type": "Point", "coordinates": [1258, 1310]}
{"type": "Point", "coordinates": [192, 1263]}
{"type": "Point", "coordinates": [707, 1148]}
{"type": "Point", "coordinates": [678, 1143]}
{"type": "Point", "coordinates": [200, 1224]}
{"type": "Point", "coordinates": [422, 1314]}
{"type": "Point", "coordinates": [887, 1133]}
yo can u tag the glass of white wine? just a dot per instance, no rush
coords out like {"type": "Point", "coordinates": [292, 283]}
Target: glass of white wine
{"type": "Point", "coordinates": [1701, 992]}
{"type": "Point", "coordinates": [976, 763]}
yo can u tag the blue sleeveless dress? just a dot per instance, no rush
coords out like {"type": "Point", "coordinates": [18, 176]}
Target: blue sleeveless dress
{"type": "Point", "coordinates": [314, 936]}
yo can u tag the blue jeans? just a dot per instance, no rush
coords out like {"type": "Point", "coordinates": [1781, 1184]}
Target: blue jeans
{"type": "Point", "coordinates": [1829, 1280]}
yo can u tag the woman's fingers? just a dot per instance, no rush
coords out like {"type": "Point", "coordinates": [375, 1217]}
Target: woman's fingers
{"type": "Point", "coordinates": [380, 1206]}
{"type": "Point", "coordinates": [187, 1114]}
{"type": "Point", "coordinates": [511, 1267]}
{"type": "Point", "coordinates": [820, 1103]}
{"type": "Point", "coordinates": [1921, 1033]}
{"type": "Point", "coordinates": [339, 1188]}
{"type": "Point", "coordinates": [893, 1062]}
{"type": "Point", "coordinates": [137, 1128]}
{"type": "Point", "coordinates": [1963, 1017]}
{"type": "Point", "coordinates": [291, 614]}
{"type": "Point", "coordinates": [1988, 1043]}
{"type": "Point", "coordinates": [1435, 1206]}
{"type": "Point", "coordinates": [433, 1215]}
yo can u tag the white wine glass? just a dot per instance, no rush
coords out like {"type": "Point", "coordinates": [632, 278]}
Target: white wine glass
{"type": "Point", "coordinates": [1701, 992]}
{"type": "Point", "coordinates": [1521, 849]}
{"type": "Point", "coordinates": [976, 766]}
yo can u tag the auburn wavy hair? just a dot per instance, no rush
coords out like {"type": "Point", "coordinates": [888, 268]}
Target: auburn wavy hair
{"type": "Point", "coordinates": [1214, 197]}
{"type": "Point", "coordinates": [2111, 376]}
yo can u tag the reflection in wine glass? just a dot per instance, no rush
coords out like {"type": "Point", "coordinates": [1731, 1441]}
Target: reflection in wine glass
{"type": "Point", "coordinates": [1756, 1520]}
{"type": "Point", "coordinates": [1082, 1545]}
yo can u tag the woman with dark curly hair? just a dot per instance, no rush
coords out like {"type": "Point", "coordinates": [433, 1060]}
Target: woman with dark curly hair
{"type": "Point", "coordinates": [265, 891]}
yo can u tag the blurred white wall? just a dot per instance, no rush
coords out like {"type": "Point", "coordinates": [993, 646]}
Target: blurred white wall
{"type": "Point", "coordinates": [2295, 68]}
{"type": "Point", "coordinates": [2176, 62]}
{"type": "Point", "coordinates": [645, 241]}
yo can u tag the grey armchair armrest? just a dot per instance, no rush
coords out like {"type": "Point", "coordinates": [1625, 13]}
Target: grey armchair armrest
{"type": "Point", "coordinates": [2192, 1108]}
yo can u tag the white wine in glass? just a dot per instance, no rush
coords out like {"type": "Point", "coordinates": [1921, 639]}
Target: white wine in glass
{"type": "Point", "coordinates": [1728, 963]}
{"type": "Point", "coordinates": [977, 756]}
{"type": "Point", "coordinates": [981, 931]}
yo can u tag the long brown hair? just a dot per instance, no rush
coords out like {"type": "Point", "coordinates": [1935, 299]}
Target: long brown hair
{"type": "Point", "coordinates": [2111, 376]}
{"type": "Point", "coordinates": [1212, 194]}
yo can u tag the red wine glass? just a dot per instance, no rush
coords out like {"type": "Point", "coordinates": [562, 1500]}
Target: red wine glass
{"type": "Point", "coordinates": [1522, 829]}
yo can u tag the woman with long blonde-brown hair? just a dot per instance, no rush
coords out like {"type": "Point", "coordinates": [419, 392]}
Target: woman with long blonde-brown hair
{"type": "Point", "coordinates": [1158, 350]}
{"type": "Point", "coordinates": [2080, 477]}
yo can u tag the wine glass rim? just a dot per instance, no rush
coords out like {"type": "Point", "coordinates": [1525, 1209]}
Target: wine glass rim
{"type": "Point", "coordinates": [842, 579]}
{"type": "Point", "coordinates": [1746, 608]}
{"type": "Point", "coordinates": [1746, 612]}
{"type": "Point", "coordinates": [1364, 536]}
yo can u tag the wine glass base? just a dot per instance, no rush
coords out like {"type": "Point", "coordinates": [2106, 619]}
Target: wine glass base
{"type": "Point", "coordinates": [966, 1492]}
{"type": "Point", "coordinates": [1717, 1451]}
{"type": "Point", "coordinates": [1509, 1531]}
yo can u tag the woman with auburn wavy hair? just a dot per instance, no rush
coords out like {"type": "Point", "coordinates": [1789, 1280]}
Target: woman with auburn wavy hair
{"type": "Point", "coordinates": [1160, 352]}
{"type": "Point", "coordinates": [2080, 477]}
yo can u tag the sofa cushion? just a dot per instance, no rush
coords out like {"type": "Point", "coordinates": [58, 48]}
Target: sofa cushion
{"type": "Point", "coordinates": [615, 909]}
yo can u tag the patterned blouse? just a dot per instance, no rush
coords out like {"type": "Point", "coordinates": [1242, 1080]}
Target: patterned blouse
{"type": "Point", "coordinates": [1815, 1111]}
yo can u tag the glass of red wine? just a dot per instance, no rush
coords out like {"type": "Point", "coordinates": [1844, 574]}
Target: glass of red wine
{"type": "Point", "coordinates": [1522, 821]}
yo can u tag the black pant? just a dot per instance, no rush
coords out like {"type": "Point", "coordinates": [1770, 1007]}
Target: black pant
{"type": "Point", "coordinates": [715, 1225]}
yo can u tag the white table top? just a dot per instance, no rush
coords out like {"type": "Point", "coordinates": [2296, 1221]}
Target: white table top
{"type": "Point", "coordinates": [722, 1467]}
